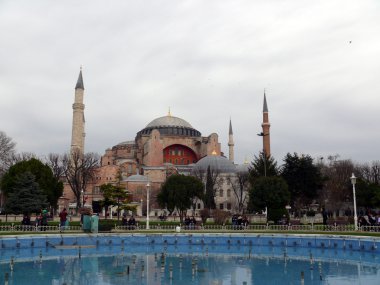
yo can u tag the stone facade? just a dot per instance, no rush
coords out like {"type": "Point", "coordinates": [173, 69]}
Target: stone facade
{"type": "Point", "coordinates": [78, 134]}
{"type": "Point", "coordinates": [167, 145]}
{"type": "Point", "coordinates": [266, 126]}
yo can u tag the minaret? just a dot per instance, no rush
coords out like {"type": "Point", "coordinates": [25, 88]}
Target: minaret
{"type": "Point", "coordinates": [266, 125]}
{"type": "Point", "coordinates": [231, 143]}
{"type": "Point", "coordinates": [78, 134]}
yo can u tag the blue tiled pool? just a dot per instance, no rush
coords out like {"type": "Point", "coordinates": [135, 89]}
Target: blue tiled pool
{"type": "Point", "coordinates": [189, 259]}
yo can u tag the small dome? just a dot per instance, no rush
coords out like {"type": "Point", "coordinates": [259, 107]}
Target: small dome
{"type": "Point", "coordinates": [169, 121]}
{"type": "Point", "coordinates": [216, 163]}
{"type": "Point", "coordinates": [137, 178]}
{"type": "Point", "coordinates": [243, 168]}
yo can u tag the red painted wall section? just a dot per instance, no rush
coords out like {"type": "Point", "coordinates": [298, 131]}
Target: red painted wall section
{"type": "Point", "coordinates": [179, 155]}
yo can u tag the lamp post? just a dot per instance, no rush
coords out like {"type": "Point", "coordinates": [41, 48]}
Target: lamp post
{"type": "Point", "coordinates": [288, 207]}
{"type": "Point", "coordinates": [82, 197]}
{"type": "Point", "coordinates": [264, 153]}
{"type": "Point", "coordinates": [141, 207]}
{"type": "Point", "coordinates": [353, 181]}
{"type": "Point", "coordinates": [147, 205]}
{"type": "Point", "coordinates": [1, 202]}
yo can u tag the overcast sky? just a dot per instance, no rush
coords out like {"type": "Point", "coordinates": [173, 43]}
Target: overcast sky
{"type": "Point", "coordinates": [319, 62]}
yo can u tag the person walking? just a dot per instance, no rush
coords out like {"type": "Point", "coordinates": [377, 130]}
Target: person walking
{"type": "Point", "coordinates": [44, 220]}
{"type": "Point", "coordinates": [63, 218]}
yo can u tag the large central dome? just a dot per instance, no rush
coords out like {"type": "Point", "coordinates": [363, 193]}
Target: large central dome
{"type": "Point", "coordinates": [169, 121]}
{"type": "Point", "coordinates": [170, 126]}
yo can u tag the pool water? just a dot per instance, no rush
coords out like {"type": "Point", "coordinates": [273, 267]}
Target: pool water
{"type": "Point", "coordinates": [204, 260]}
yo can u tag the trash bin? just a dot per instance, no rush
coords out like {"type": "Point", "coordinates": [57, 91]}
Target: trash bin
{"type": "Point", "coordinates": [94, 224]}
{"type": "Point", "coordinates": [86, 226]}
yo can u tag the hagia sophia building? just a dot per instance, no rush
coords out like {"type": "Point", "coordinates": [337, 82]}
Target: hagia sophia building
{"type": "Point", "coordinates": [165, 146]}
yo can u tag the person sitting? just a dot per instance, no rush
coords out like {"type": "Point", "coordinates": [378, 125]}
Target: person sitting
{"type": "Point", "coordinates": [193, 222]}
{"type": "Point", "coordinates": [132, 223]}
{"type": "Point", "coordinates": [162, 217]}
{"type": "Point", "coordinates": [187, 222]}
{"type": "Point", "coordinates": [363, 221]}
{"type": "Point", "coordinates": [25, 221]}
{"type": "Point", "coordinates": [38, 220]}
{"type": "Point", "coordinates": [240, 222]}
{"type": "Point", "coordinates": [245, 221]}
{"type": "Point", "coordinates": [124, 220]}
{"type": "Point", "coordinates": [234, 221]}
{"type": "Point", "coordinates": [372, 219]}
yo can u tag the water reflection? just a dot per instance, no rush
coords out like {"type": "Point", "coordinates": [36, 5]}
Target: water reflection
{"type": "Point", "coordinates": [160, 267]}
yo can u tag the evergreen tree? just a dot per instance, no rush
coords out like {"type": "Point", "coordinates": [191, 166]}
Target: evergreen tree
{"type": "Point", "coordinates": [26, 196]}
{"type": "Point", "coordinates": [43, 175]}
{"type": "Point", "coordinates": [263, 165]}
{"type": "Point", "coordinates": [269, 193]}
{"type": "Point", "coordinates": [178, 192]}
{"type": "Point", "coordinates": [303, 178]}
{"type": "Point", "coordinates": [367, 194]}
{"type": "Point", "coordinates": [114, 196]}
{"type": "Point", "coordinates": [209, 198]}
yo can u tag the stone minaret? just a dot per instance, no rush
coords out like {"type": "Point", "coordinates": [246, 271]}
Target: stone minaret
{"type": "Point", "coordinates": [231, 143]}
{"type": "Point", "coordinates": [266, 125]}
{"type": "Point", "coordinates": [78, 134]}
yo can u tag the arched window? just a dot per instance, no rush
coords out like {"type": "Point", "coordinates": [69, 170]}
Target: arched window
{"type": "Point", "coordinates": [179, 154]}
{"type": "Point", "coordinates": [221, 193]}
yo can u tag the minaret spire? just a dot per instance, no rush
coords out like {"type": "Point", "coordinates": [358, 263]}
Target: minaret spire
{"type": "Point", "coordinates": [78, 134]}
{"type": "Point", "coordinates": [80, 80]}
{"type": "Point", "coordinates": [265, 106]}
{"type": "Point", "coordinates": [231, 143]}
{"type": "Point", "coordinates": [266, 126]}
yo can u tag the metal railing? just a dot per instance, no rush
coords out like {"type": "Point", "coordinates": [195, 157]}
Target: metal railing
{"type": "Point", "coordinates": [199, 228]}
{"type": "Point", "coordinates": [23, 228]}
{"type": "Point", "coordinates": [253, 228]}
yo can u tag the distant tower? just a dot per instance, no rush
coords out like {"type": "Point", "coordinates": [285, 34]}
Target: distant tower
{"type": "Point", "coordinates": [231, 143]}
{"type": "Point", "coordinates": [266, 125]}
{"type": "Point", "coordinates": [78, 134]}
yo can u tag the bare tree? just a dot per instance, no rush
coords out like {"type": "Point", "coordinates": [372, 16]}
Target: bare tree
{"type": "Point", "coordinates": [7, 152]}
{"type": "Point", "coordinates": [24, 156]}
{"type": "Point", "coordinates": [240, 184]}
{"type": "Point", "coordinates": [79, 170]}
{"type": "Point", "coordinates": [212, 180]}
{"type": "Point", "coordinates": [55, 162]}
{"type": "Point", "coordinates": [338, 187]}
{"type": "Point", "coordinates": [370, 172]}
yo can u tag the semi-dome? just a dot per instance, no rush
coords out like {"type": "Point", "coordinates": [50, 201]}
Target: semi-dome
{"type": "Point", "coordinates": [170, 125]}
{"type": "Point", "coordinates": [243, 168]}
{"type": "Point", "coordinates": [216, 163]}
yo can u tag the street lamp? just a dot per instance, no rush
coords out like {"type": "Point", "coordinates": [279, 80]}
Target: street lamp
{"type": "Point", "coordinates": [353, 181]}
{"type": "Point", "coordinates": [265, 155]}
{"type": "Point", "coordinates": [1, 202]}
{"type": "Point", "coordinates": [147, 205]}
{"type": "Point", "coordinates": [82, 195]}
{"type": "Point", "coordinates": [288, 207]}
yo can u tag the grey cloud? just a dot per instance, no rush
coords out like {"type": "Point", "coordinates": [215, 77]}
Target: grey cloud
{"type": "Point", "coordinates": [207, 60]}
